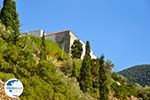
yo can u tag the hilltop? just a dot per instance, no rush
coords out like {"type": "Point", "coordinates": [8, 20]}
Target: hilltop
{"type": "Point", "coordinates": [138, 74]}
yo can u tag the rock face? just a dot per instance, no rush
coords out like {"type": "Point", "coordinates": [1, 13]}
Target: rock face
{"type": "Point", "coordinates": [3, 95]}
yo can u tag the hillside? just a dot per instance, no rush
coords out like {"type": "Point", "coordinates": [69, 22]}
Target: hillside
{"type": "Point", "coordinates": [42, 79]}
{"type": "Point", "coordinates": [138, 74]}
{"type": "Point", "coordinates": [50, 78]}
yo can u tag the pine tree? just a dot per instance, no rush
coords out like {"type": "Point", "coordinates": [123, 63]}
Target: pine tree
{"type": "Point", "coordinates": [103, 88]}
{"type": "Point", "coordinates": [43, 47]}
{"type": "Point", "coordinates": [85, 79]}
{"type": "Point", "coordinates": [76, 49]}
{"type": "Point", "coordinates": [9, 18]}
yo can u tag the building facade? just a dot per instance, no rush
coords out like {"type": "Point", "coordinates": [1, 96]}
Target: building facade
{"type": "Point", "coordinates": [65, 40]}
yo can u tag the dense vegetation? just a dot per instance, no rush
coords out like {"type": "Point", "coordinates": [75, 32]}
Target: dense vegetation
{"type": "Point", "coordinates": [138, 74]}
{"type": "Point", "coordinates": [41, 78]}
{"type": "Point", "coordinates": [9, 18]}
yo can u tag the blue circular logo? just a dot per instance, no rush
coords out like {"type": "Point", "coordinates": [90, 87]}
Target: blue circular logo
{"type": "Point", "coordinates": [13, 88]}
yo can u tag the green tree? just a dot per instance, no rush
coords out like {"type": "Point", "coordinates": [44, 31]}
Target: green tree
{"type": "Point", "coordinates": [85, 78]}
{"type": "Point", "coordinates": [74, 70]}
{"type": "Point", "coordinates": [95, 73]}
{"type": "Point", "coordinates": [109, 65]}
{"type": "Point", "coordinates": [76, 49]}
{"type": "Point", "coordinates": [76, 66]}
{"type": "Point", "coordinates": [9, 18]}
{"type": "Point", "coordinates": [108, 68]}
{"type": "Point", "coordinates": [43, 47]}
{"type": "Point", "coordinates": [103, 88]}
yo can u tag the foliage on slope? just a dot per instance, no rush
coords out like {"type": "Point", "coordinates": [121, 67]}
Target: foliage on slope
{"type": "Point", "coordinates": [124, 90]}
{"type": "Point", "coordinates": [121, 88]}
{"type": "Point", "coordinates": [52, 48]}
{"type": "Point", "coordinates": [138, 74]}
{"type": "Point", "coordinates": [42, 80]}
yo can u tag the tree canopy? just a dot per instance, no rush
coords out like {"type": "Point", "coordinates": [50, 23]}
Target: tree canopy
{"type": "Point", "coordinates": [76, 49]}
{"type": "Point", "coordinates": [9, 18]}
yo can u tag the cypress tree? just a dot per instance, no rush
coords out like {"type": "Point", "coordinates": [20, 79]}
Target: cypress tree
{"type": "Point", "coordinates": [103, 88]}
{"type": "Point", "coordinates": [9, 18]}
{"type": "Point", "coordinates": [95, 73]}
{"type": "Point", "coordinates": [74, 70]}
{"type": "Point", "coordinates": [43, 47]}
{"type": "Point", "coordinates": [85, 79]}
{"type": "Point", "coordinates": [76, 49]}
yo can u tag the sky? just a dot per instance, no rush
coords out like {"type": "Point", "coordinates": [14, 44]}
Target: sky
{"type": "Point", "coordinates": [120, 29]}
